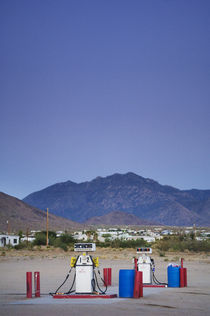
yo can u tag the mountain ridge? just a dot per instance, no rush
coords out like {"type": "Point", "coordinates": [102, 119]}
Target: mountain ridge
{"type": "Point", "coordinates": [129, 193]}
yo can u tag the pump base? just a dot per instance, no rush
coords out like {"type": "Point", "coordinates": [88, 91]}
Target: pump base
{"type": "Point", "coordinates": [85, 296]}
{"type": "Point", "coordinates": [154, 285]}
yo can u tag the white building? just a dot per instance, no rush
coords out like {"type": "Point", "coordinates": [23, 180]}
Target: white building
{"type": "Point", "coordinates": [59, 233]}
{"type": "Point", "coordinates": [6, 240]}
{"type": "Point", "coordinates": [146, 238]}
{"type": "Point", "coordinates": [80, 236]}
{"type": "Point", "coordinates": [166, 232]}
{"type": "Point", "coordinates": [29, 238]}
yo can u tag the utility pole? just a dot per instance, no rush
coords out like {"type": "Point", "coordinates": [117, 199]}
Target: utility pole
{"type": "Point", "coordinates": [8, 228]}
{"type": "Point", "coordinates": [47, 229]}
{"type": "Point", "coordinates": [194, 230]}
{"type": "Point", "coordinates": [27, 236]}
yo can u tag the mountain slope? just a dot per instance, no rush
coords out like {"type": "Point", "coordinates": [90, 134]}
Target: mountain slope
{"type": "Point", "coordinates": [22, 216]}
{"type": "Point", "coordinates": [117, 218]}
{"type": "Point", "coordinates": [129, 193]}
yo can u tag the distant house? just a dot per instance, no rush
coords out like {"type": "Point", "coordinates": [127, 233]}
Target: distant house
{"type": "Point", "coordinates": [80, 236]}
{"type": "Point", "coordinates": [59, 233]}
{"type": "Point", "coordinates": [166, 232]}
{"type": "Point", "coordinates": [29, 238]}
{"type": "Point", "coordinates": [6, 240]}
{"type": "Point", "coordinates": [146, 238]}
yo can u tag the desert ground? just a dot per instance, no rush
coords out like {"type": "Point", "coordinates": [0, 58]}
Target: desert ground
{"type": "Point", "coordinates": [53, 265]}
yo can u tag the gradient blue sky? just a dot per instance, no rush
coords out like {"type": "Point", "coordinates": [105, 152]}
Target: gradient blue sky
{"type": "Point", "coordinates": [94, 87]}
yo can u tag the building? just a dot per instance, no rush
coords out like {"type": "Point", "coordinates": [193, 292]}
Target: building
{"type": "Point", "coordinates": [29, 238]}
{"type": "Point", "coordinates": [6, 240]}
{"type": "Point", "coordinates": [80, 236]}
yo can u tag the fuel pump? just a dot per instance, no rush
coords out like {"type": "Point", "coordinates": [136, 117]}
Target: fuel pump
{"type": "Point", "coordinates": [145, 264]}
{"type": "Point", "coordinates": [84, 265]}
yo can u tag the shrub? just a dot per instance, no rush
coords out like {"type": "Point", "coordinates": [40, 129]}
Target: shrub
{"type": "Point", "coordinates": [40, 239]}
{"type": "Point", "coordinates": [60, 244]}
{"type": "Point", "coordinates": [118, 243]}
{"type": "Point", "coordinates": [67, 239]}
{"type": "Point", "coordinates": [175, 244]}
{"type": "Point", "coordinates": [63, 246]}
{"type": "Point", "coordinates": [21, 245]}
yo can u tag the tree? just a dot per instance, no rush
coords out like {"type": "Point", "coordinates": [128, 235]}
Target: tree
{"type": "Point", "coordinates": [20, 234]}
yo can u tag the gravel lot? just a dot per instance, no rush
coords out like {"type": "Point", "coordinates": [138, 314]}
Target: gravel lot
{"type": "Point", "coordinates": [54, 265]}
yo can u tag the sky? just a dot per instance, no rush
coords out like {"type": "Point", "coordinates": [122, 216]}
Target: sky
{"type": "Point", "coordinates": [97, 87]}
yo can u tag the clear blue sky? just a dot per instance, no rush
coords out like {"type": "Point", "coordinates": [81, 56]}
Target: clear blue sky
{"type": "Point", "coordinates": [90, 88]}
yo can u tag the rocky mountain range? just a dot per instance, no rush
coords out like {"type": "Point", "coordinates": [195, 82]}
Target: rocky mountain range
{"type": "Point", "coordinates": [129, 193]}
{"type": "Point", "coordinates": [17, 215]}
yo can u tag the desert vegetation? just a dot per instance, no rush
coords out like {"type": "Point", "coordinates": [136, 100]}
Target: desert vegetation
{"type": "Point", "coordinates": [174, 243]}
{"type": "Point", "coordinates": [183, 243]}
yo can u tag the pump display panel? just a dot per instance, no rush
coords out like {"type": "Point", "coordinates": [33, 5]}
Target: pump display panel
{"type": "Point", "coordinates": [144, 250]}
{"type": "Point", "coordinates": [84, 247]}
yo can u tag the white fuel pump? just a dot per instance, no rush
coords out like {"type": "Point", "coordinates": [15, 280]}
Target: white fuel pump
{"type": "Point", "coordinates": [145, 264]}
{"type": "Point", "coordinates": [85, 281]}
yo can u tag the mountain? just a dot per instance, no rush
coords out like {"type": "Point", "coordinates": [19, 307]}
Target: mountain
{"type": "Point", "coordinates": [117, 218]}
{"type": "Point", "coordinates": [22, 216]}
{"type": "Point", "coordinates": [128, 193]}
